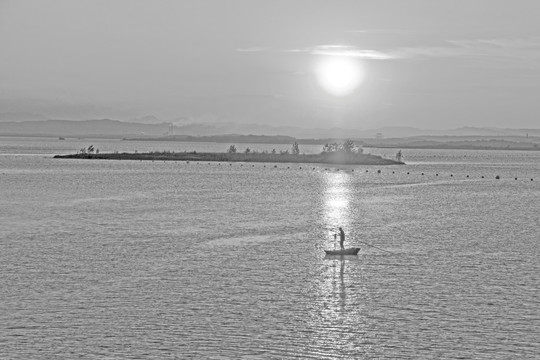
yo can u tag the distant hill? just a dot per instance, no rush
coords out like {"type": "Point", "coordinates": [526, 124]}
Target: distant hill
{"type": "Point", "coordinates": [148, 119]}
{"type": "Point", "coordinates": [87, 128]}
{"type": "Point", "coordinates": [120, 129]}
{"type": "Point", "coordinates": [152, 126]}
{"type": "Point", "coordinates": [458, 142]}
{"type": "Point", "coordinates": [230, 138]}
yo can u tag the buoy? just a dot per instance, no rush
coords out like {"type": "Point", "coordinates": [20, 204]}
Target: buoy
{"type": "Point", "coordinates": [407, 173]}
{"type": "Point", "coordinates": [275, 166]}
{"type": "Point", "coordinates": [436, 174]}
{"type": "Point", "coordinates": [378, 171]}
{"type": "Point", "coordinates": [187, 162]}
{"type": "Point", "coordinates": [451, 175]}
{"type": "Point", "coordinates": [482, 176]}
{"type": "Point", "coordinates": [497, 177]}
{"type": "Point", "coordinates": [393, 172]}
{"type": "Point", "coordinates": [467, 175]}
{"type": "Point", "coordinates": [352, 170]}
{"type": "Point", "coordinates": [367, 170]}
{"type": "Point", "coordinates": [422, 173]}
{"type": "Point", "coordinates": [515, 178]}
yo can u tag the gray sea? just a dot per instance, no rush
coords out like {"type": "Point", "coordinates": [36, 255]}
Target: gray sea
{"type": "Point", "coordinates": [176, 260]}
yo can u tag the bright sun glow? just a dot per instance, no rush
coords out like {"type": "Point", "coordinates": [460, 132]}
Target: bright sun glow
{"type": "Point", "coordinates": [339, 76]}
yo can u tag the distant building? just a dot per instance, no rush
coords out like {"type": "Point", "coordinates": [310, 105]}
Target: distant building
{"type": "Point", "coordinates": [171, 130]}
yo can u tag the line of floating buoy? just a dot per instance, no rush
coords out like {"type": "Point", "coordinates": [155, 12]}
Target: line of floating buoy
{"type": "Point", "coordinates": [497, 177]}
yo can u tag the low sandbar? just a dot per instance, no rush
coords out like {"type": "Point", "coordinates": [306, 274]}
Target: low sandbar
{"type": "Point", "coordinates": [341, 158]}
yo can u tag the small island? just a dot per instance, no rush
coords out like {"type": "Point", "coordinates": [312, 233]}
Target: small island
{"type": "Point", "coordinates": [332, 154]}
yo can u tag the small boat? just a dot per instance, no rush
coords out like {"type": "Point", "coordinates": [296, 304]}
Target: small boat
{"type": "Point", "coordinates": [351, 251]}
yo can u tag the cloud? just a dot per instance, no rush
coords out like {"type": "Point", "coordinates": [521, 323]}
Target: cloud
{"type": "Point", "coordinates": [350, 51]}
{"type": "Point", "coordinates": [331, 50]}
{"type": "Point", "coordinates": [343, 50]}
{"type": "Point", "coordinates": [518, 52]}
{"type": "Point", "coordinates": [521, 52]}
{"type": "Point", "coordinates": [379, 31]}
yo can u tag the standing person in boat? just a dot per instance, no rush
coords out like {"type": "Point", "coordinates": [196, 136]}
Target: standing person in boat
{"type": "Point", "coordinates": [341, 238]}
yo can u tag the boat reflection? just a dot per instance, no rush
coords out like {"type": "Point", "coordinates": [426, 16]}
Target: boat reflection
{"type": "Point", "coordinates": [339, 290]}
{"type": "Point", "coordinates": [341, 257]}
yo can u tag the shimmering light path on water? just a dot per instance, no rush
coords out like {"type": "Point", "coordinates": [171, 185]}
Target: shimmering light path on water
{"type": "Point", "coordinates": [161, 260]}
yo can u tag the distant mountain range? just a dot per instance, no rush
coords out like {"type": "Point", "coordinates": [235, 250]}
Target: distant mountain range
{"type": "Point", "coordinates": [150, 126]}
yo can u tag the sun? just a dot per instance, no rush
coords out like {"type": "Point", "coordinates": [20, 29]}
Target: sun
{"type": "Point", "coordinates": [338, 75]}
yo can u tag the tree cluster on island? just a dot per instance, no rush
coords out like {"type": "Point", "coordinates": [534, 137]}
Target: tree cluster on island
{"type": "Point", "coordinates": [348, 146]}
{"type": "Point", "coordinates": [89, 150]}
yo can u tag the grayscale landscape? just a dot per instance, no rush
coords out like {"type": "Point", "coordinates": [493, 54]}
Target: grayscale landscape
{"type": "Point", "coordinates": [243, 179]}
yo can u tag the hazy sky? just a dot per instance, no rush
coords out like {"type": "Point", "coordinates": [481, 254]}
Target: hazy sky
{"type": "Point", "coordinates": [429, 63]}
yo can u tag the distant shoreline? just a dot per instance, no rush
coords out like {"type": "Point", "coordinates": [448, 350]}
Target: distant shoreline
{"type": "Point", "coordinates": [511, 143]}
{"type": "Point", "coordinates": [428, 143]}
{"type": "Point", "coordinates": [340, 158]}
{"type": "Point", "coordinates": [447, 146]}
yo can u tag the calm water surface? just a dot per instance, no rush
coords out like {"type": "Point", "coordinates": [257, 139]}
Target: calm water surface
{"type": "Point", "coordinates": [154, 260]}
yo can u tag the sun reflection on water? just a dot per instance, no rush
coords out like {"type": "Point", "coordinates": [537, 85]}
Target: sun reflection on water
{"type": "Point", "coordinates": [336, 308]}
{"type": "Point", "coordinates": [337, 201]}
